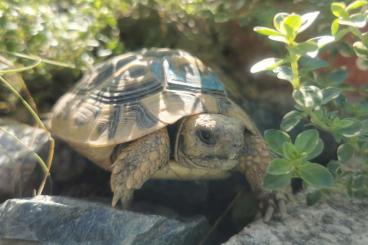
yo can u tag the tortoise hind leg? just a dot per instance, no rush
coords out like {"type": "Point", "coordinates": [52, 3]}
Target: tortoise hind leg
{"type": "Point", "coordinates": [136, 162]}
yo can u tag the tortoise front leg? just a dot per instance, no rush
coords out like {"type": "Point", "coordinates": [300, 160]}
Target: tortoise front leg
{"type": "Point", "coordinates": [254, 166]}
{"type": "Point", "coordinates": [136, 162]}
{"type": "Point", "coordinates": [254, 163]}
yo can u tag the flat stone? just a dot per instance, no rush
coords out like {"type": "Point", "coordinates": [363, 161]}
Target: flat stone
{"type": "Point", "coordinates": [338, 220]}
{"type": "Point", "coordinates": [61, 220]}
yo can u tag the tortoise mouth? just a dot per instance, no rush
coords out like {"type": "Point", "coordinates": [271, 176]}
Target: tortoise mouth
{"type": "Point", "coordinates": [208, 162]}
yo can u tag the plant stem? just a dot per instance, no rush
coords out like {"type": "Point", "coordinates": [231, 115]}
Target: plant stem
{"type": "Point", "coordinates": [294, 67]}
{"type": "Point", "coordinates": [24, 102]}
{"type": "Point", "coordinates": [315, 120]}
{"type": "Point", "coordinates": [20, 69]}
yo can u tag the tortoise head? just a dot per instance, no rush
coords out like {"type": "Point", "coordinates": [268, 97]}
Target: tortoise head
{"type": "Point", "coordinates": [212, 141]}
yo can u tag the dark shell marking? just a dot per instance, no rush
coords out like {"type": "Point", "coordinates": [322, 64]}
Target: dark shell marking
{"type": "Point", "coordinates": [112, 94]}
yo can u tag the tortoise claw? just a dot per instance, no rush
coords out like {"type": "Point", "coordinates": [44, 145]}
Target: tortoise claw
{"type": "Point", "coordinates": [281, 204]}
{"type": "Point", "coordinates": [270, 210]}
{"type": "Point", "coordinates": [273, 204]}
{"type": "Point", "coordinates": [125, 199]}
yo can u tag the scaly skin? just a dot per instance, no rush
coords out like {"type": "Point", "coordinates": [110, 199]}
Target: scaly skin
{"type": "Point", "coordinates": [254, 164]}
{"type": "Point", "coordinates": [136, 162]}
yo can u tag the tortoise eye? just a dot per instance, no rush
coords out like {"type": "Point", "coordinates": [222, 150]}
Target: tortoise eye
{"type": "Point", "coordinates": [206, 136]}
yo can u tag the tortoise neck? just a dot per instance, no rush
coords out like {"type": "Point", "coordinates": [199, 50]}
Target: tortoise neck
{"type": "Point", "coordinates": [174, 131]}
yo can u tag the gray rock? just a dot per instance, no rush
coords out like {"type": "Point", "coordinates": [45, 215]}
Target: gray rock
{"type": "Point", "coordinates": [60, 220]}
{"type": "Point", "coordinates": [20, 173]}
{"type": "Point", "coordinates": [336, 221]}
{"type": "Point", "coordinates": [67, 163]}
{"type": "Point", "coordinates": [17, 164]}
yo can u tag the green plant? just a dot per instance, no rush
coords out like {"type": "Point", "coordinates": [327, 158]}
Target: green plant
{"type": "Point", "coordinates": [321, 101]}
{"type": "Point", "coordinates": [64, 30]}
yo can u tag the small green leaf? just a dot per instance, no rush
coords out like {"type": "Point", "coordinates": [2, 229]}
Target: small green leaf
{"type": "Point", "coordinates": [347, 127]}
{"type": "Point", "coordinates": [344, 152]}
{"type": "Point", "coordinates": [290, 120]}
{"type": "Point", "coordinates": [345, 49]}
{"type": "Point", "coordinates": [315, 175]}
{"type": "Point", "coordinates": [356, 4]}
{"type": "Point", "coordinates": [329, 94]}
{"type": "Point", "coordinates": [308, 96]}
{"type": "Point", "coordinates": [342, 123]}
{"type": "Point", "coordinates": [319, 42]}
{"type": "Point", "coordinates": [337, 76]}
{"type": "Point", "coordinates": [322, 40]}
{"type": "Point", "coordinates": [352, 131]}
{"type": "Point", "coordinates": [278, 38]}
{"type": "Point", "coordinates": [221, 17]}
{"type": "Point", "coordinates": [365, 38]}
{"type": "Point", "coordinates": [280, 166]}
{"type": "Point", "coordinates": [305, 48]}
{"type": "Point", "coordinates": [290, 26]}
{"type": "Point", "coordinates": [266, 31]}
{"type": "Point", "coordinates": [335, 27]}
{"type": "Point", "coordinates": [365, 123]}
{"type": "Point", "coordinates": [294, 21]}
{"type": "Point", "coordinates": [307, 20]}
{"type": "Point", "coordinates": [276, 182]}
{"type": "Point", "coordinates": [278, 19]}
{"type": "Point", "coordinates": [307, 141]}
{"type": "Point", "coordinates": [313, 197]}
{"type": "Point", "coordinates": [316, 152]}
{"type": "Point", "coordinates": [339, 9]}
{"type": "Point", "coordinates": [341, 33]}
{"type": "Point", "coordinates": [266, 64]}
{"type": "Point", "coordinates": [309, 64]}
{"type": "Point", "coordinates": [334, 167]}
{"type": "Point", "coordinates": [360, 185]}
{"type": "Point", "coordinates": [283, 73]}
{"type": "Point", "coordinates": [275, 139]}
{"type": "Point", "coordinates": [362, 63]}
{"type": "Point", "coordinates": [360, 49]}
{"type": "Point", "coordinates": [290, 152]}
{"type": "Point", "coordinates": [356, 20]}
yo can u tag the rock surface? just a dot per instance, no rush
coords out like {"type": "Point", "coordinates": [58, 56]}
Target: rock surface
{"type": "Point", "coordinates": [335, 221]}
{"type": "Point", "coordinates": [61, 220]}
{"type": "Point", "coordinates": [17, 164]}
{"type": "Point", "coordinates": [20, 172]}
{"type": "Point", "coordinates": [67, 163]}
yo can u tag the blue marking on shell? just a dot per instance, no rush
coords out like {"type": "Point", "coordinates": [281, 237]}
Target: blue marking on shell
{"type": "Point", "coordinates": [212, 82]}
{"type": "Point", "coordinates": [190, 79]}
{"type": "Point", "coordinates": [158, 73]}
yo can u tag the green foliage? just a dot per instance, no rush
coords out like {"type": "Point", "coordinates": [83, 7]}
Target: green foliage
{"type": "Point", "coordinates": [286, 29]}
{"type": "Point", "coordinates": [81, 32]}
{"type": "Point", "coordinates": [349, 19]}
{"type": "Point", "coordinates": [322, 102]}
{"type": "Point", "coordinates": [294, 159]}
{"type": "Point", "coordinates": [71, 31]}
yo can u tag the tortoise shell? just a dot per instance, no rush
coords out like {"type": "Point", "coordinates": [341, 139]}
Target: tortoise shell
{"type": "Point", "coordinates": [134, 94]}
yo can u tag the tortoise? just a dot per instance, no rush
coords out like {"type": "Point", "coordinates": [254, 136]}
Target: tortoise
{"type": "Point", "coordinates": [159, 113]}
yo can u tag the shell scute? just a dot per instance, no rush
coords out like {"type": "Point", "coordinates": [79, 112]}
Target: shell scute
{"type": "Point", "coordinates": [135, 94]}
